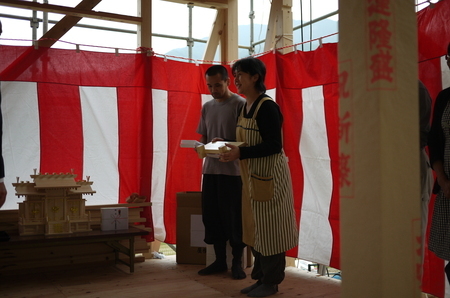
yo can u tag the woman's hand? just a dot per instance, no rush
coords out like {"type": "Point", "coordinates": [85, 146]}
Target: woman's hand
{"type": "Point", "coordinates": [231, 155]}
{"type": "Point", "coordinates": [445, 186]}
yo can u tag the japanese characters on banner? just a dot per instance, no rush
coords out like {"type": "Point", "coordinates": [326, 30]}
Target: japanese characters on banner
{"type": "Point", "coordinates": [346, 154]}
{"type": "Point", "coordinates": [380, 31]}
{"type": "Point", "coordinates": [375, 78]}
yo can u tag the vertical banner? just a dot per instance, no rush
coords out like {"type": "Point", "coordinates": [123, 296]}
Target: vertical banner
{"type": "Point", "coordinates": [379, 148]}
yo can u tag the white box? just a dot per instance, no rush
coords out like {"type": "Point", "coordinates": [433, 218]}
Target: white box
{"type": "Point", "coordinates": [114, 218]}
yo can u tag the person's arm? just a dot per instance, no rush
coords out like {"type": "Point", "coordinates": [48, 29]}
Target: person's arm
{"type": "Point", "coordinates": [436, 141]}
{"type": "Point", "coordinates": [442, 178]}
{"type": "Point", "coordinates": [2, 193]}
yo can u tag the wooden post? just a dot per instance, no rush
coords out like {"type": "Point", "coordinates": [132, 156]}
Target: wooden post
{"type": "Point", "coordinates": [215, 36]}
{"type": "Point", "coordinates": [145, 28]}
{"type": "Point", "coordinates": [229, 41]}
{"type": "Point", "coordinates": [280, 28]}
{"type": "Point", "coordinates": [379, 149]}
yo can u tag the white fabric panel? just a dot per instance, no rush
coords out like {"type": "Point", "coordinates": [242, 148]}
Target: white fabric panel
{"type": "Point", "coordinates": [21, 137]}
{"type": "Point", "coordinates": [159, 168]}
{"type": "Point", "coordinates": [272, 93]}
{"type": "Point", "coordinates": [206, 98]}
{"type": "Point", "coordinates": [315, 238]}
{"type": "Point", "coordinates": [445, 73]}
{"type": "Point", "coordinates": [101, 143]}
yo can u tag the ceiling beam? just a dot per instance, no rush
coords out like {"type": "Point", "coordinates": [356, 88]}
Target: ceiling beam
{"type": "Point", "coordinates": [71, 11]}
{"type": "Point", "coordinates": [216, 4]}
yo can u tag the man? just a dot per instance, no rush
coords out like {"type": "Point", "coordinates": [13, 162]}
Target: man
{"type": "Point", "coordinates": [222, 185]}
{"type": "Point", "coordinates": [2, 166]}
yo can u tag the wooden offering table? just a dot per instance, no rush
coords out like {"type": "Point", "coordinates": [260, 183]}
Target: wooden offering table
{"type": "Point", "coordinates": [111, 238]}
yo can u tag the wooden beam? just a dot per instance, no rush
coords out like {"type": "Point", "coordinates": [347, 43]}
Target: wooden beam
{"type": "Point", "coordinates": [215, 37]}
{"type": "Point", "coordinates": [216, 4]}
{"type": "Point", "coordinates": [225, 34]}
{"type": "Point", "coordinates": [71, 11]}
{"type": "Point", "coordinates": [144, 37]}
{"type": "Point", "coordinates": [230, 44]}
{"type": "Point", "coordinates": [65, 24]}
{"type": "Point", "coordinates": [280, 27]}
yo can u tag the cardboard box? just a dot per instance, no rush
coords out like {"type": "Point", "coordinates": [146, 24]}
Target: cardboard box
{"type": "Point", "coordinates": [191, 249]}
{"type": "Point", "coordinates": [114, 218]}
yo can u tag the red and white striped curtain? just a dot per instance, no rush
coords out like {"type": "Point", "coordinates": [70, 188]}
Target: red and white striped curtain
{"type": "Point", "coordinates": [119, 119]}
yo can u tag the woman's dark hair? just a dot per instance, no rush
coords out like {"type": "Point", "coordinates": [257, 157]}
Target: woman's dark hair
{"type": "Point", "coordinates": [448, 48]}
{"type": "Point", "coordinates": [252, 66]}
{"type": "Point", "coordinates": [217, 69]}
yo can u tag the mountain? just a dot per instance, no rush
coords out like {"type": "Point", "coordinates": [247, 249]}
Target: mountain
{"type": "Point", "coordinates": [319, 29]}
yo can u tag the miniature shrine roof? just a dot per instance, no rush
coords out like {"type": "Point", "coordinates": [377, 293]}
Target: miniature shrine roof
{"type": "Point", "coordinates": [53, 181]}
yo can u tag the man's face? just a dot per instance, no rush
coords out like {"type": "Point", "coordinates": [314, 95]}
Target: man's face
{"type": "Point", "coordinates": [217, 86]}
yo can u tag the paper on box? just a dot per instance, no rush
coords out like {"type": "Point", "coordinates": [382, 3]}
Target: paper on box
{"type": "Point", "coordinates": [114, 218]}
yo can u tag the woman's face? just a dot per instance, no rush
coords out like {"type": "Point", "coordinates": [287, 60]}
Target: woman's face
{"type": "Point", "coordinates": [244, 82]}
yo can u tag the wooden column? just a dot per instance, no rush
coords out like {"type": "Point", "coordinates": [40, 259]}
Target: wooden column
{"type": "Point", "coordinates": [379, 149]}
{"type": "Point", "coordinates": [145, 28]}
{"type": "Point", "coordinates": [229, 39]}
{"type": "Point", "coordinates": [215, 36]}
{"type": "Point", "coordinates": [280, 27]}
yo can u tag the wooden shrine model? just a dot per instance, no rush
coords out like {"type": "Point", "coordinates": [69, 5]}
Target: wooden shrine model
{"type": "Point", "coordinates": [53, 204]}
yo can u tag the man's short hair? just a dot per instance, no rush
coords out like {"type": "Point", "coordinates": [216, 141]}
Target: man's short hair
{"type": "Point", "coordinates": [217, 69]}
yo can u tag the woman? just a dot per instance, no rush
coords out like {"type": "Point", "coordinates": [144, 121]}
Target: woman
{"type": "Point", "coordinates": [439, 148]}
{"type": "Point", "coordinates": [269, 225]}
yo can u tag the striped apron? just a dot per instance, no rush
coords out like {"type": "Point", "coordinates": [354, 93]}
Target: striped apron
{"type": "Point", "coordinates": [268, 217]}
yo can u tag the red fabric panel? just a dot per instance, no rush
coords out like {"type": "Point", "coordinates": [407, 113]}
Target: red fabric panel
{"type": "Point", "coordinates": [131, 112]}
{"type": "Point", "coordinates": [60, 129]}
{"type": "Point", "coordinates": [433, 30]}
{"type": "Point", "coordinates": [183, 165]}
{"type": "Point", "coordinates": [290, 102]}
{"type": "Point", "coordinates": [69, 67]}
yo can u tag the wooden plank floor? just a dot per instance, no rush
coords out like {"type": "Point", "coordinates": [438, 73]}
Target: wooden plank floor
{"type": "Point", "coordinates": [162, 278]}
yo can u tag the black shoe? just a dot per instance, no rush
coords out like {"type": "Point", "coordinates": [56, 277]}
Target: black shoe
{"type": "Point", "coordinates": [251, 288]}
{"type": "Point", "coordinates": [237, 272]}
{"type": "Point", "coordinates": [263, 290]}
{"type": "Point", "coordinates": [215, 267]}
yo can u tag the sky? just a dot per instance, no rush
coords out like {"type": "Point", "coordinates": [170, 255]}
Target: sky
{"type": "Point", "coordinates": [168, 18]}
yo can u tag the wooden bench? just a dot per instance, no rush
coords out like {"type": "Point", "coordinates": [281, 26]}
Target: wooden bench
{"type": "Point", "coordinates": [111, 238]}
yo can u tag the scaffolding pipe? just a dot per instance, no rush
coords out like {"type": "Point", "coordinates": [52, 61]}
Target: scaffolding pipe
{"type": "Point", "coordinates": [34, 23]}
{"type": "Point", "coordinates": [45, 20]}
{"type": "Point", "coordinates": [252, 38]}
{"type": "Point", "coordinates": [190, 42]}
